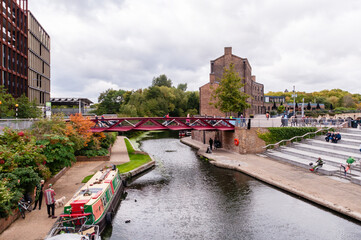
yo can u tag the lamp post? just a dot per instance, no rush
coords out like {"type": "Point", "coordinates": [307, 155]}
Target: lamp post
{"type": "Point", "coordinates": [294, 95]}
{"type": "Point", "coordinates": [16, 110]}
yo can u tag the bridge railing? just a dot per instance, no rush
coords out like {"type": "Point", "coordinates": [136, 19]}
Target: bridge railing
{"type": "Point", "coordinates": [279, 122]}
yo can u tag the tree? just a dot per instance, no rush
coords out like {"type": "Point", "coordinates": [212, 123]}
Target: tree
{"type": "Point", "coordinates": [333, 100]}
{"type": "Point", "coordinates": [193, 101]}
{"type": "Point", "coordinates": [348, 101]}
{"type": "Point", "coordinates": [182, 87]}
{"type": "Point", "coordinates": [281, 109]}
{"type": "Point", "coordinates": [27, 109]}
{"type": "Point", "coordinates": [228, 95]}
{"type": "Point", "coordinates": [309, 106]}
{"type": "Point", "coordinates": [162, 80]}
{"type": "Point", "coordinates": [318, 106]}
{"type": "Point", "coordinates": [110, 101]}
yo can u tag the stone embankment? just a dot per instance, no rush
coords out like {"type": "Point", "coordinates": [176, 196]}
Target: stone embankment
{"type": "Point", "coordinates": [336, 194]}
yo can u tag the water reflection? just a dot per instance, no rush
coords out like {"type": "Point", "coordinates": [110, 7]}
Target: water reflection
{"type": "Point", "coordinates": [188, 198]}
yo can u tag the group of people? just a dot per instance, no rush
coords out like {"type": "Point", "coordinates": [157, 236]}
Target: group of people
{"type": "Point", "coordinates": [345, 167]}
{"type": "Point", "coordinates": [49, 195]}
{"type": "Point", "coordinates": [216, 143]}
{"type": "Point", "coordinates": [333, 136]}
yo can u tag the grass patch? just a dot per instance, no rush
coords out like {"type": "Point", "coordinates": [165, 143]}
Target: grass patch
{"type": "Point", "coordinates": [87, 178]}
{"type": "Point", "coordinates": [136, 159]}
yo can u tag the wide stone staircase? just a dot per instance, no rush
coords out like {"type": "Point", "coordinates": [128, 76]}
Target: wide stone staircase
{"type": "Point", "coordinates": [333, 154]}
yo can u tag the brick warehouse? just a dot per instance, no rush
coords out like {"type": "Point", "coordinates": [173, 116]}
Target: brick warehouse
{"type": "Point", "coordinates": [251, 87]}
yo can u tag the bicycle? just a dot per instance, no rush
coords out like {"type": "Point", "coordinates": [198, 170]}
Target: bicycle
{"type": "Point", "coordinates": [24, 206]}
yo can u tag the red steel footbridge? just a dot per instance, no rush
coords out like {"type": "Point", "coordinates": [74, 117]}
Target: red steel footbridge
{"type": "Point", "coordinates": [161, 123]}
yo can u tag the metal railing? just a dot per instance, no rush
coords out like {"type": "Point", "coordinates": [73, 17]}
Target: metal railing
{"type": "Point", "coordinates": [289, 122]}
{"type": "Point", "coordinates": [18, 124]}
{"type": "Point", "coordinates": [296, 137]}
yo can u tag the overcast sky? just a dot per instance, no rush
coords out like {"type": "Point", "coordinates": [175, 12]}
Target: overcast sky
{"type": "Point", "coordinates": [123, 44]}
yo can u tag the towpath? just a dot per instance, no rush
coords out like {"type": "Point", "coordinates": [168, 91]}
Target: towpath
{"type": "Point", "coordinates": [36, 224]}
{"type": "Point", "coordinates": [336, 194]}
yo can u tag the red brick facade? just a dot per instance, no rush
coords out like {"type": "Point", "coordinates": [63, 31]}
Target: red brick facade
{"type": "Point", "coordinates": [251, 87]}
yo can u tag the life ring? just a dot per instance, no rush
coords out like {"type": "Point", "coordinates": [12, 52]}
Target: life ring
{"type": "Point", "coordinates": [236, 141]}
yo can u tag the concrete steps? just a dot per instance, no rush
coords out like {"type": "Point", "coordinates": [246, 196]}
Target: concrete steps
{"type": "Point", "coordinates": [301, 162]}
{"type": "Point", "coordinates": [333, 154]}
{"type": "Point", "coordinates": [353, 150]}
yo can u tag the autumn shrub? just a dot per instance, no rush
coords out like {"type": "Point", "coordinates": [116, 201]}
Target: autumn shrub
{"type": "Point", "coordinates": [78, 129]}
{"type": "Point", "coordinates": [98, 146]}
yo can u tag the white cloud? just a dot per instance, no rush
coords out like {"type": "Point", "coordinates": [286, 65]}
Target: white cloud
{"type": "Point", "coordinates": [125, 43]}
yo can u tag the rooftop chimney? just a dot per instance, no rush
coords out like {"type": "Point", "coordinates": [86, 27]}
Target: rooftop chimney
{"type": "Point", "coordinates": [227, 50]}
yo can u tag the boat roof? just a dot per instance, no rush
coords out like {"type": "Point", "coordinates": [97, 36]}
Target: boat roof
{"type": "Point", "coordinates": [94, 188]}
{"type": "Point", "coordinates": [68, 236]}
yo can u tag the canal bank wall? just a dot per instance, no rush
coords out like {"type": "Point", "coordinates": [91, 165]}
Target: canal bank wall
{"type": "Point", "coordinates": [335, 194]}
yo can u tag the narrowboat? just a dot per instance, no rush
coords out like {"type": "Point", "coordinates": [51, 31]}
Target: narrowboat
{"type": "Point", "coordinates": [92, 208]}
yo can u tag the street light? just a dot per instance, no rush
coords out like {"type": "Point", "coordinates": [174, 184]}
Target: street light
{"type": "Point", "coordinates": [16, 113]}
{"type": "Point", "coordinates": [294, 95]}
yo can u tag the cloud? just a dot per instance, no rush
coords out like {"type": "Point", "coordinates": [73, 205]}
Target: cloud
{"type": "Point", "coordinates": [124, 44]}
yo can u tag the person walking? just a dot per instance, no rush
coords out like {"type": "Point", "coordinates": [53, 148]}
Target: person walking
{"type": "Point", "coordinates": [50, 200]}
{"type": "Point", "coordinates": [38, 194]}
{"type": "Point", "coordinates": [211, 143]}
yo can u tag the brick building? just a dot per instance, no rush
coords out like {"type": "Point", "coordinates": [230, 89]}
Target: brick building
{"type": "Point", "coordinates": [244, 70]}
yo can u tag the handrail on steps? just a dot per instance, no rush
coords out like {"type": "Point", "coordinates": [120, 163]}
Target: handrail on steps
{"type": "Point", "coordinates": [288, 140]}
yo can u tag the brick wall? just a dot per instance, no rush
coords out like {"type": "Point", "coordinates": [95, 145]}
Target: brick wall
{"type": "Point", "coordinates": [249, 142]}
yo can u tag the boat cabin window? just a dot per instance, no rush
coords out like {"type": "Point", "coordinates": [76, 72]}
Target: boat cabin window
{"type": "Point", "coordinates": [92, 190]}
{"type": "Point", "coordinates": [104, 200]}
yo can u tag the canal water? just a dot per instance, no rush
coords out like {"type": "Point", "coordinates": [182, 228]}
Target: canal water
{"type": "Point", "coordinates": [186, 197]}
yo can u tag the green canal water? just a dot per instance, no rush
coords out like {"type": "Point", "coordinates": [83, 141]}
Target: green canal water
{"type": "Point", "coordinates": [185, 197]}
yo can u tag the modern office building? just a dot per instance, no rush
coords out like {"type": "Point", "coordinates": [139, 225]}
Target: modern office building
{"type": "Point", "coordinates": [14, 50]}
{"type": "Point", "coordinates": [39, 62]}
{"type": "Point", "coordinates": [241, 65]}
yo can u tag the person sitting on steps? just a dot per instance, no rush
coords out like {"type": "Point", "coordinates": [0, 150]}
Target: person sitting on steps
{"type": "Point", "coordinates": [336, 137]}
{"type": "Point", "coordinates": [328, 136]}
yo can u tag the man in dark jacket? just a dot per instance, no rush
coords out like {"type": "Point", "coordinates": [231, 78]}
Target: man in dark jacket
{"type": "Point", "coordinates": [211, 143]}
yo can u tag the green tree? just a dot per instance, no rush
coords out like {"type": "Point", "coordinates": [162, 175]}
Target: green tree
{"type": "Point", "coordinates": [281, 109]}
{"type": "Point", "coordinates": [229, 96]}
{"type": "Point", "coordinates": [182, 87]}
{"type": "Point", "coordinates": [193, 102]}
{"type": "Point", "coordinates": [27, 109]}
{"type": "Point", "coordinates": [162, 80]}
{"type": "Point", "coordinates": [110, 101]}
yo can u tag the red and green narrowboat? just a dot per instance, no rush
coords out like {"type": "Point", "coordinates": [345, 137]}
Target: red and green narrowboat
{"type": "Point", "coordinates": [95, 203]}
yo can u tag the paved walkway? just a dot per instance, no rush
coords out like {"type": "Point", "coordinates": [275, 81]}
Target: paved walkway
{"type": "Point", "coordinates": [333, 193]}
{"type": "Point", "coordinates": [119, 153]}
{"type": "Point", "coordinates": [36, 224]}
